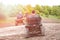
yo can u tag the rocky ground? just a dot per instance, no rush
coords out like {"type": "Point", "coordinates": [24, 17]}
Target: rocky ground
{"type": "Point", "coordinates": [51, 30]}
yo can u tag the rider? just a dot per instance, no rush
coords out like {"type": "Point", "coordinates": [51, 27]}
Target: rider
{"type": "Point", "coordinates": [19, 19]}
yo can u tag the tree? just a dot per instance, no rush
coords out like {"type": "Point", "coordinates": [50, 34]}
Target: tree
{"type": "Point", "coordinates": [29, 8]}
{"type": "Point", "coordinates": [56, 10]}
{"type": "Point", "coordinates": [46, 11]}
{"type": "Point", "coordinates": [38, 9]}
{"type": "Point", "coordinates": [16, 9]}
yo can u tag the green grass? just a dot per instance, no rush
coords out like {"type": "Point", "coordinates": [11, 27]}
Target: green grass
{"type": "Point", "coordinates": [50, 16]}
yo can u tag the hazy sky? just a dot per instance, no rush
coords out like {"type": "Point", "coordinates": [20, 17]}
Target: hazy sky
{"type": "Point", "coordinates": [32, 2]}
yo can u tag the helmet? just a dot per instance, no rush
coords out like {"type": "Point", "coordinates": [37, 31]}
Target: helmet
{"type": "Point", "coordinates": [33, 11]}
{"type": "Point", "coordinates": [19, 16]}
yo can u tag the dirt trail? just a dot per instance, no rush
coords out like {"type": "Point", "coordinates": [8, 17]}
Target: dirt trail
{"type": "Point", "coordinates": [51, 26]}
{"type": "Point", "coordinates": [52, 32]}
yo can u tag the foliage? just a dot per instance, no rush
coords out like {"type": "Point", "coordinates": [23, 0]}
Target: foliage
{"type": "Point", "coordinates": [45, 11]}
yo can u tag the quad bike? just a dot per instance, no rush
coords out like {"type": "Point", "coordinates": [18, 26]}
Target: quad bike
{"type": "Point", "coordinates": [33, 25]}
{"type": "Point", "coordinates": [19, 19]}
